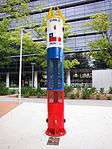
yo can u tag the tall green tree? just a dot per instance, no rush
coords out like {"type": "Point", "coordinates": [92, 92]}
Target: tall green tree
{"type": "Point", "coordinates": [101, 49]}
{"type": "Point", "coordinates": [11, 40]}
{"type": "Point", "coordinates": [5, 49]}
{"type": "Point", "coordinates": [10, 9]}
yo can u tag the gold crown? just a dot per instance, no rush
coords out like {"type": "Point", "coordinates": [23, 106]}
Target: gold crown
{"type": "Point", "coordinates": [58, 13]}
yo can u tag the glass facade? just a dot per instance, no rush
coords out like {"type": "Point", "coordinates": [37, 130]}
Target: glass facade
{"type": "Point", "coordinates": [77, 13]}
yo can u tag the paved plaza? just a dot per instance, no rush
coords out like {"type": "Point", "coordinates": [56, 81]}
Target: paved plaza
{"type": "Point", "coordinates": [6, 106]}
{"type": "Point", "coordinates": [88, 125]}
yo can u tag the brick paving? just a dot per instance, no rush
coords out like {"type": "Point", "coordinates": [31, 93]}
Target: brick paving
{"type": "Point", "coordinates": [5, 107]}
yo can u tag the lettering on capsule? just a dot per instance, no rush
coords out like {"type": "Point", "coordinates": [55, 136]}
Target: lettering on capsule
{"type": "Point", "coordinates": [55, 44]}
{"type": "Point", "coordinates": [52, 43]}
{"type": "Point", "coordinates": [55, 20]}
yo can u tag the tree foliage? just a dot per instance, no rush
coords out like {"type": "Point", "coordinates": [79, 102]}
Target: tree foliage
{"type": "Point", "coordinates": [5, 46]}
{"type": "Point", "coordinates": [70, 64]}
{"type": "Point", "coordinates": [101, 49]}
{"type": "Point", "coordinates": [10, 40]}
{"type": "Point", "coordinates": [15, 8]}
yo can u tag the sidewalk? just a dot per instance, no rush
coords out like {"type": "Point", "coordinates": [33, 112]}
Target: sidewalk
{"type": "Point", "coordinates": [83, 102]}
{"type": "Point", "coordinates": [88, 125]}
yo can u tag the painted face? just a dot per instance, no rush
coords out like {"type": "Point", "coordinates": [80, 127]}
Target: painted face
{"type": "Point", "coordinates": [55, 33]}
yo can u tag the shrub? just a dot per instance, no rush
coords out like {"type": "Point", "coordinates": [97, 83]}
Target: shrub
{"type": "Point", "coordinates": [28, 91]}
{"type": "Point", "coordinates": [77, 94]}
{"type": "Point", "coordinates": [4, 90]}
{"type": "Point", "coordinates": [109, 97]}
{"type": "Point", "coordinates": [67, 90]}
{"type": "Point", "coordinates": [102, 90]}
{"type": "Point", "coordinates": [110, 90]}
{"type": "Point", "coordinates": [86, 92]}
{"type": "Point", "coordinates": [93, 90]}
{"type": "Point", "coordinates": [72, 96]}
{"type": "Point", "coordinates": [44, 92]}
{"type": "Point", "coordinates": [77, 86]}
{"type": "Point", "coordinates": [12, 91]}
{"type": "Point", "coordinates": [98, 96]}
{"type": "Point", "coordinates": [40, 92]}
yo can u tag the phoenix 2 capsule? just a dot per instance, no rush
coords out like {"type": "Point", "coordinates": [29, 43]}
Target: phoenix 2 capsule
{"type": "Point", "coordinates": [55, 74]}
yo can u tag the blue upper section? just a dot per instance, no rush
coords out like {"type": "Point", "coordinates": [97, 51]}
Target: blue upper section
{"type": "Point", "coordinates": [55, 74]}
{"type": "Point", "coordinates": [55, 69]}
{"type": "Point", "coordinates": [55, 53]}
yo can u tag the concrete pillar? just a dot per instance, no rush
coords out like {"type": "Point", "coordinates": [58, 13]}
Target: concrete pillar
{"type": "Point", "coordinates": [35, 79]}
{"type": "Point", "coordinates": [68, 79]}
{"type": "Point", "coordinates": [7, 79]}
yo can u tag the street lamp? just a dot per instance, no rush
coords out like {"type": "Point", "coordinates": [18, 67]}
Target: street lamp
{"type": "Point", "coordinates": [32, 74]}
{"type": "Point", "coordinates": [20, 64]}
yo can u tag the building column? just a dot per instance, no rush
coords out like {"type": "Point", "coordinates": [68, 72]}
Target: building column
{"type": "Point", "coordinates": [35, 79]}
{"type": "Point", "coordinates": [7, 79]}
{"type": "Point", "coordinates": [68, 79]}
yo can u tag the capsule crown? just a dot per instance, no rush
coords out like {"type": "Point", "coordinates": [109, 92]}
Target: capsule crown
{"type": "Point", "coordinates": [58, 13]}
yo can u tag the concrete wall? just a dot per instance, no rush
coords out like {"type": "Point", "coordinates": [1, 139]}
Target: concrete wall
{"type": "Point", "coordinates": [102, 79]}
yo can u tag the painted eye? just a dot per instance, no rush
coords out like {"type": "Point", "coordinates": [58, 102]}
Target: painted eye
{"type": "Point", "coordinates": [54, 27]}
{"type": "Point", "coordinates": [63, 29]}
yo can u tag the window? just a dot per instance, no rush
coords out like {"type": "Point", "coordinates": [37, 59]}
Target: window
{"type": "Point", "coordinates": [54, 27]}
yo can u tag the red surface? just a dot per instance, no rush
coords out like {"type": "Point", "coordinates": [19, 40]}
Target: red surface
{"type": "Point", "coordinates": [52, 39]}
{"type": "Point", "coordinates": [5, 107]}
{"type": "Point", "coordinates": [59, 39]}
{"type": "Point", "coordinates": [55, 113]}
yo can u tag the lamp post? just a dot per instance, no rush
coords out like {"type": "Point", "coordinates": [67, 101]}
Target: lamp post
{"type": "Point", "coordinates": [32, 74]}
{"type": "Point", "coordinates": [20, 64]}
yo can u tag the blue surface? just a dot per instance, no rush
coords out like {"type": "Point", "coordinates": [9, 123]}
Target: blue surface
{"type": "Point", "coordinates": [55, 75]}
{"type": "Point", "coordinates": [55, 52]}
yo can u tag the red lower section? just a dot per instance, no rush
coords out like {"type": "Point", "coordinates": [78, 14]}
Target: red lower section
{"type": "Point", "coordinates": [55, 113]}
{"type": "Point", "coordinates": [55, 132]}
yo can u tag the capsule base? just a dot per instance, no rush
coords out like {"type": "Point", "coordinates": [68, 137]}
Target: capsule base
{"type": "Point", "coordinates": [55, 132]}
